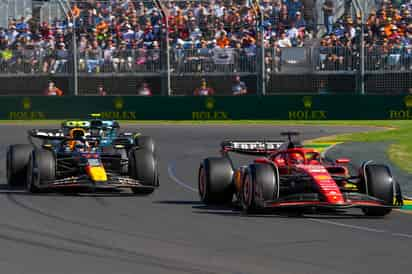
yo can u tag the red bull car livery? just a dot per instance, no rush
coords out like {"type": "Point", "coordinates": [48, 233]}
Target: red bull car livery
{"type": "Point", "coordinates": [77, 162]}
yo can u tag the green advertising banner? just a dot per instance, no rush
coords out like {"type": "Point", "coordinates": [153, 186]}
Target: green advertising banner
{"type": "Point", "coordinates": [281, 107]}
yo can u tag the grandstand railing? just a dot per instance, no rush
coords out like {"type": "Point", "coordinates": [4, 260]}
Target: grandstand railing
{"type": "Point", "coordinates": [208, 61]}
{"type": "Point", "coordinates": [35, 61]}
{"type": "Point", "coordinates": [377, 59]}
{"type": "Point", "coordinates": [122, 61]}
{"type": "Point", "coordinates": [14, 9]}
{"type": "Point", "coordinates": [213, 61]}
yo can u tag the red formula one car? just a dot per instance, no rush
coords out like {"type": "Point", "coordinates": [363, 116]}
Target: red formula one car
{"type": "Point", "coordinates": [288, 175]}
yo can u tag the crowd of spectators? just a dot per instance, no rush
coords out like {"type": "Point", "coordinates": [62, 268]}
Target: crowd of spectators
{"type": "Point", "coordinates": [205, 36]}
{"type": "Point", "coordinates": [26, 47]}
{"type": "Point", "coordinates": [387, 35]}
{"type": "Point", "coordinates": [202, 32]}
{"type": "Point", "coordinates": [129, 35]}
{"type": "Point", "coordinates": [233, 23]}
{"type": "Point", "coordinates": [112, 36]}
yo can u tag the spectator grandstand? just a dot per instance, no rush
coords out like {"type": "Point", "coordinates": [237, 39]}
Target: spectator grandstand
{"type": "Point", "coordinates": [205, 38]}
{"type": "Point", "coordinates": [388, 40]}
{"type": "Point", "coordinates": [127, 36]}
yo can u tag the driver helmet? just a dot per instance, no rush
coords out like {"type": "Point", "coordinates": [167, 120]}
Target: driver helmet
{"type": "Point", "coordinates": [79, 146]}
{"type": "Point", "coordinates": [296, 158]}
{"type": "Point", "coordinates": [77, 133]}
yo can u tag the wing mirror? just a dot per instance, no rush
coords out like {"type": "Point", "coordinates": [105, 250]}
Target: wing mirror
{"type": "Point", "coordinates": [342, 161]}
{"type": "Point", "coordinates": [280, 162]}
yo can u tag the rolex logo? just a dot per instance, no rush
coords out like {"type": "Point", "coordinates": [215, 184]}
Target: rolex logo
{"type": "Point", "coordinates": [210, 103]}
{"type": "Point", "coordinates": [307, 101]}
{"type": "Point", "coordinates": [408, 101]}
{"type": "Point", "coordinates": [26, 103]}
{"type": "Point", "coordinates": [118, 103]}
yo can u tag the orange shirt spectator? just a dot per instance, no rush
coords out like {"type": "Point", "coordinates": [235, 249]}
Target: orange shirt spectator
{"type": "Point", "coordinates": [102, 27]}
{"type": "Point", "coordinates": [76, 11]}
{"type": "Point", "coordinates": [52, 90]}
{"type": "Point", "coordinates": [223, 41]}
{"type": "Point", "coordinates": [388, 27]}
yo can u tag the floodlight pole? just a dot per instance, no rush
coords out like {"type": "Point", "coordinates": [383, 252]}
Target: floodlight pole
{"type": "Point", "coordinates": [165, 14]}
{"type": "Point", "coordinates": [65, 6]}
{"type": "Point", "coordinates": [262, 49]}
{"type": "Point", "coordinates": [169, 90]}
{"type": "Point", "coordinates": [362, 56]}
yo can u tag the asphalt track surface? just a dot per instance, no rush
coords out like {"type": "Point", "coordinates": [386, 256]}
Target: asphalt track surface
{"type": "Point", "coordinates": [171, 232]}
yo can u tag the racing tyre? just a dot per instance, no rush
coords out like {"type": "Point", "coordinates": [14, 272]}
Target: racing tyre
{"type": "Point", "coordinates": [215, 181]}
{"type": "Point", "coordinates": [379, 183]}
{"type": "Point", "coordinates": [145, 142]}
{"type": "Point", "coordinates": [260, 184]}
{"type": "Point", "coordinates": [143, 167]}
{"type": "Point", "coordinates": [17, 161]}
{"type": "Point", "coordinates": [41, 169]}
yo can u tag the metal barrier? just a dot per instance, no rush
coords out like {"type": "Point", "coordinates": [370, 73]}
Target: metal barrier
{"type": "Point", "coordinates": [377, 59]}
{"type": "Point", "coordinates": [314, 70]}
{"type": "Point", "coordinates": [121, 61]}
{"type": "Point", "coordinates": [335, 59]}
{"type": "Point", "coordinates": [35, 61]}
{"type": "Point", "coordinates": [50, 11]}
{"type": "Point", "coordinates": [213, 61]}
{"type": "Point", "coordinates": [14, 9]}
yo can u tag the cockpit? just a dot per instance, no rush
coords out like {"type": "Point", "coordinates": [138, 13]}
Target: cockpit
{"type": "Point", "coordinates": [296, 157]}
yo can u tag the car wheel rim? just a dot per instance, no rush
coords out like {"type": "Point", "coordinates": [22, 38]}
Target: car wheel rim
{"type": "Point", "coordinates": [29, 175]}
{"type": "Point", "coordinates": [247, 193]}
{"type": "Point", "coordinates": [202, 184]}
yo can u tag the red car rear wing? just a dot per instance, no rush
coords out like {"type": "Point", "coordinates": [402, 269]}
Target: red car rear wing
{"type": "Point", "coordinates": [252, 147]}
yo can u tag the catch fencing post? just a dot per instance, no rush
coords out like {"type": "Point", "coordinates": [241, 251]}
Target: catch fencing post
{"type": "Point", "coordinates": [65, 6]}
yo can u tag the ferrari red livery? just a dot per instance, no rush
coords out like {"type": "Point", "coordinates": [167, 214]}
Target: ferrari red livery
{"type": "Point", "coordinates": [288, 175]}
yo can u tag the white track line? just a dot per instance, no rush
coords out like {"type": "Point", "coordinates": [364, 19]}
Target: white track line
{"type": "Point", "coordinates": [172, 173]}
{"type": "Point", "coordinates": [402, 235]}
{"type": "Point", "coordinates": [363, 228]}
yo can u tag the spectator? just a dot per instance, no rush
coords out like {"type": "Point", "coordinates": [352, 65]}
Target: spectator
{"type": "Point", "coordinates": [61, 57]}
{"type": "Point", "coordinates": [144, 90]}
{"type": "Point", "coordinates": [93, 57]}
{"type": "Point", "coordinates": [309, 13]}
{"type": "Point", "coordinates": [52, 90]}
{"type": "Point", "coordinates": [239, 87]}
{"type": "Point", "coordinates": [328, 12]}
{"type": "Point", "coordinates": [101, 90]}
{"type": "Point", "coordinates": [203, 90]}
{"type": "Point", "coordinates": [293, 7]}
{"type": "Point", "coordinates": [284, 41]}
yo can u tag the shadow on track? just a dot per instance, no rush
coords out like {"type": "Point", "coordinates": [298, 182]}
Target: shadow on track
{"type": "Point", "coordinates": [6, 189]}
{"type": "Point", "coordinates": [234, 210]}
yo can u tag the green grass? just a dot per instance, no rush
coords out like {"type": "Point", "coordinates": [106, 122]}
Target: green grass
{"type": "Point", "coordinates": [398, 133]}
